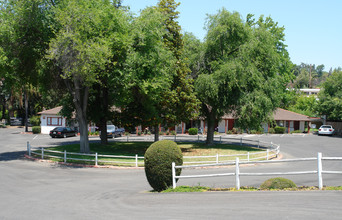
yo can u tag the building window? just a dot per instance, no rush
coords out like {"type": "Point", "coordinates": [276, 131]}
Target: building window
{"type": "Point", "coordinates": [54, 121]}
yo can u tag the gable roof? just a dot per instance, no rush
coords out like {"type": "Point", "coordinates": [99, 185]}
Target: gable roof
{"type": "Point", "coordinates": [286, 115]}
{"type": "Point", "coordinates": [53, 111]}
{"type": "Point", "coordinates": [279, 115]}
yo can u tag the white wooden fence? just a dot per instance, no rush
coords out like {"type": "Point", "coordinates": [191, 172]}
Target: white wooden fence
{"type": "Point", "coordinates": [272, 150]}
{"type": "Point", "coordinates": [237, 172]}
{"type": "Point", "coordinates": [41, 152]}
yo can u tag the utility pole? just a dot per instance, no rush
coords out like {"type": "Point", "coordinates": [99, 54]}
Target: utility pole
{"type": "Point", "coordinates": [310, 86]}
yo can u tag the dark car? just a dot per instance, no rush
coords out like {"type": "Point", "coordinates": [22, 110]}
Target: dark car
{"type": "Point", "coordinates": [63, 132]}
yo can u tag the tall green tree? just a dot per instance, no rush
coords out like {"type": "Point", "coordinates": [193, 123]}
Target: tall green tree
{"type": "Point", "coordinates": [246, 67]}
{"type": "Point", "coordinates": [149, 72]}
{"type": "Point", "coordinates": [106, 93]}
{"type": "Point", "coordinates": [161, 89]}
{"type": "Point", "coordinates": [82, 49]}
{"type": "Point", "coordinates": [180, 101]}
{"type": "Point", "coordinates": [24, 36]}
{"type": "Point", "coordinates": [330, 97]}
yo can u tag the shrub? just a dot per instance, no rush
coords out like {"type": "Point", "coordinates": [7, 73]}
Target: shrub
{"type": "Point", "coordinates": [253, 131]}
{"type": "Point", "coordinates": [36, 129]}
{"type": "Point", "coordinates": [278, 183]}
{"type": "Point", "coordinates": [229, 132]}
{"type": "Point", "coordinates": [35, 121]}
{"type": "Point", "coordinates": [127, 133]}
{"type": "Point", "coordinates": [296, 131]}
{"type": "Point", "coordinates": [139, 133]}
{"type": "Point", "coordinates": [271, 131]}
{"type": "Point", "coordinates": [236, 131]}
{"type": "Point", "coordinates": [193, 131]}
{"type": "Point", "coordinates": [279, 130]}
{"type": "Point", "coordinates": [158, 163]}
{"type": "Point", "coordinates": [173, 132]}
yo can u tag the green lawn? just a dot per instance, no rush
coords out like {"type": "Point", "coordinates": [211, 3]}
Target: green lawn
{"type": "Point", "coordinates": [139, 148]}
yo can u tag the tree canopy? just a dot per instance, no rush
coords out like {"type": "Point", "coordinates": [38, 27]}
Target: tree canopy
{"type": "Point", "coordinates": [330, 97]}
{"type": "Point", "coordinates": [246, 67]}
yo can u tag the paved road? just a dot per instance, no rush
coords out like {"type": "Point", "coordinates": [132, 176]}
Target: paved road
{"type": "Point", "coordinates": [34, 190]}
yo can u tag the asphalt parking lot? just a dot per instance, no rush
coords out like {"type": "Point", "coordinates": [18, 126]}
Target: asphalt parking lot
{"type": "Point", "coordinates": [36, 190]}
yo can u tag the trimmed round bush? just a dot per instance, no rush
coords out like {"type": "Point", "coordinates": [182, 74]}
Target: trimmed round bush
{"type": "Point", "coordinates": [193, 131]}
{"type": "Point", "coordinates": [278, 183]}
{"type": "Point", "coordinates": [36, 129]}
{"type": "Point", "coordinates": [279, 130]}
{"type": "Point", "coordinates": [158, 163]}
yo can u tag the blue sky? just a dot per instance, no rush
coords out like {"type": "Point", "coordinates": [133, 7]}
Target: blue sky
{"type": "Point", "coordinates": [313, 28]}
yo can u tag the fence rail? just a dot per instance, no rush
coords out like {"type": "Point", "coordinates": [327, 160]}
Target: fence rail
{"type": "Point", "coordinates": [271, 150]}
{"type": "Point", "coordinates": [237, 172]}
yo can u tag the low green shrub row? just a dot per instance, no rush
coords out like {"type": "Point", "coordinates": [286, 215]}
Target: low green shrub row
{"type": "Point", "coordinates": [279, 130]}
{"type": "Point", "coordinates": [296, 131]}
{"type": "Point", "coordinates": [277, 183]}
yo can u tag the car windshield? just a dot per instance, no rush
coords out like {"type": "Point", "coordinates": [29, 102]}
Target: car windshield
{"type": "Point", "coordinates": [110, 127]}
{"type": "Point", "coordinates": [325, 126]}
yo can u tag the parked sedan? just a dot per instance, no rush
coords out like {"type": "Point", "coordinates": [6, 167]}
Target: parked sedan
{"type": "Point", "coordinates": [62, 132]}
{"type": "Point", "coordinates": [326, 130]}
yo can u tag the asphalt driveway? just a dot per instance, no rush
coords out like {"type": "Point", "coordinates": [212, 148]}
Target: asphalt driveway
{"type": "Point", "coordinates": [35, 190]}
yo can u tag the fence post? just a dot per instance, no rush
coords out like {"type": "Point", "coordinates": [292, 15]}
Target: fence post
{"type": "Point", "coordinates": [65, 156]}
{"type": "Point", "coordinates": [258, 143]}
{"type": "Point", "coordinates": [198, 138]}
{"type": "Point", "coordinates": [28, 148]}
{"type": "Point", "coordinates": [96, 159]}
{"type": "Point", "coordinates": [319, 170]}
{"type": "Point", "coordinates": [217, 158]}
{"type": "Point", "coordinates": [127, 138]}
{"type": "Point", "coordinates": [42, 152]}
{"type": "Point", "coordinates": [241, 141]}
{"type": "Point", "coordinates": [175, 138]}
{"type": "Point", "coordinates": [173, 175]}
{"type": "Point", "coordinates": [237, 174]}
{"type": "Point", "coordinates": [136, 160]}
{"type": "Point", "coordinates": [248, 156]}
{"type": "Point", "coordinates": [268, 152]}
{"type": "Point", "coordinates": [220, 139]}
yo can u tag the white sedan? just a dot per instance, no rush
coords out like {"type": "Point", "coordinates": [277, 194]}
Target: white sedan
{"type": "Point", "coordinates": [326, 130]}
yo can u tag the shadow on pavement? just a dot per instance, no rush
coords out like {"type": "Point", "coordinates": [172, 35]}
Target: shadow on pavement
{"type": "Point", "coordinates": [8, 156]}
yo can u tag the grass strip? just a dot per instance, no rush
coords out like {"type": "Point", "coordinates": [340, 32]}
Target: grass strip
{"type": "Point", "coordinates": [138, 148]}
{"type": "Point", "coordinates": [246, 188]}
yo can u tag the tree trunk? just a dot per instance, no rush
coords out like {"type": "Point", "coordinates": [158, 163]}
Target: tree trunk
{"type": "Point", "coordinates": [84, 141]}
{"type": "Point", "coordinates": [104, 113]}
{"type": "Point", "coordinates": [3, 108]}
{"type": "Point", "coordinates": [156, 133]}
{"type": "Point", "coordinates": [26, 111]}
{"type": "Point", "coordinates": [211, 128]}
{"type": "Point", "coordinates": [103, 130]}
{"type": "Point", "coordinates": [81, 94]}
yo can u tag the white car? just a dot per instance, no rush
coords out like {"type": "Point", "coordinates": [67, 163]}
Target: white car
{"type": "Point", "coordinates": [326, 130]}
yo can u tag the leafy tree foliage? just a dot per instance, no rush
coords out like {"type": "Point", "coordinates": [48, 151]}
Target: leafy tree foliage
{"type": "Point", "coordinates": [309, 75]}
{"type": "Point", "coordinates": [330, 97]}
{"type": "Point", "coordinates": [247, 66]}
{"type": "Point", "coordinates": [82, 49]}
{"type": "Point", "coordinates": [160, 90]}
{"type": "Point", "coordinates": [24, 35]}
